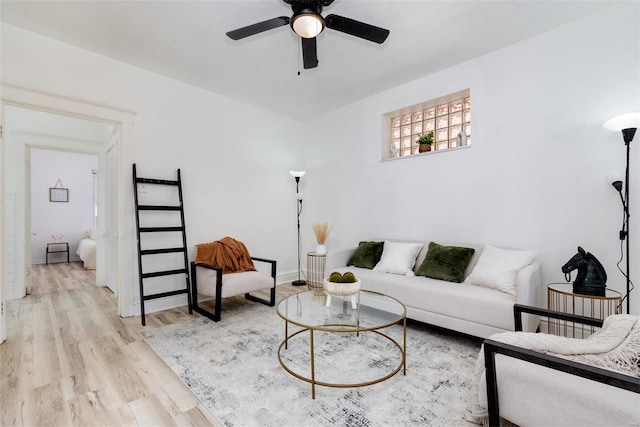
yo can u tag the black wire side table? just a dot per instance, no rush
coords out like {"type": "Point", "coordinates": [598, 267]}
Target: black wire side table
{"type": "Point", "coordinates": [315, 272]}
{"type": "Point", "coordinates": [560, 297]}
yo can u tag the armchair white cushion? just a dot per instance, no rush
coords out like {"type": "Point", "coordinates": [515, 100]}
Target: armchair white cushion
{"type": "Point", "coordinates": [540, 379]}
{"type": "Point", "coordinates": [530, 394]}
{"type": "Point", "coordinates": [210, 281]}
{"type": "Point", "coordinates": [232, 284]}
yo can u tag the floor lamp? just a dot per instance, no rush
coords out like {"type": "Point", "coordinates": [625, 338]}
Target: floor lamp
{"type": "Point", "coordinates": [297, 175]}
{"type": "Point", "coordinates": [627, 124]}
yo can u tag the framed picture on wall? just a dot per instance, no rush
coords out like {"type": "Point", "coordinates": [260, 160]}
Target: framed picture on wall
{"type": "Point", "coordinates": [58, 194]}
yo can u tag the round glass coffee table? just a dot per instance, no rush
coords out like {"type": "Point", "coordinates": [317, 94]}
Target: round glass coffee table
{"type": "Point", "coordinates": [372, 313]}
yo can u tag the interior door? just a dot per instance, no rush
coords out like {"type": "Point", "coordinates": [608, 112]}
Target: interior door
{"type": "Point", "coordinates": [27, 224]}
{"type": "Point", "coordinates": [112, 250]}
{"type": "Point", "coordinates": [3, 329]}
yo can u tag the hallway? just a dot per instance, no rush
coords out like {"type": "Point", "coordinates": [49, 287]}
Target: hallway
{"type": "Point", "coordinates": [69, 359]}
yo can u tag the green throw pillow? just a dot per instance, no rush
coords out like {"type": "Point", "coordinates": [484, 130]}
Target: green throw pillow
{"type": "Point", "coordinates": [445, 262]}
{"type": "Point", "coordinates": [366, 255]}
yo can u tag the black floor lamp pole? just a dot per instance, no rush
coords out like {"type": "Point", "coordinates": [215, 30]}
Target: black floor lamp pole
{"type": "Point", "coordinates": [628, 124]}
{"type": "Point", "coordinates": [298, 282]}
{"type": "Point", "coordinates": [627, 135]}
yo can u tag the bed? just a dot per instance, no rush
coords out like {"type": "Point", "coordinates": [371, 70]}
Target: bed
{"type": "Point", "coordinates": [87, 250]}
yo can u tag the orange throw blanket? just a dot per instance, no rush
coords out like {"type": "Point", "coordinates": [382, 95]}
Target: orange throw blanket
{"type": "Point", "coordinates": [227, 253]}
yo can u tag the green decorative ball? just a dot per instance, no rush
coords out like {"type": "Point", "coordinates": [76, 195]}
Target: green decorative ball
{"type": "Point", "coordinates": [348, 277]}
{"type": "Point", "coordinates": [335, 277]}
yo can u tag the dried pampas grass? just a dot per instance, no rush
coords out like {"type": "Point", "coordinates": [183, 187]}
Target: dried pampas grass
{"type": "Point", "coordinates": [321, 230]}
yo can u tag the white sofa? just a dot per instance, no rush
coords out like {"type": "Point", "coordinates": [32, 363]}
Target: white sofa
{"type": "Point", "coordinates": [463, 307]}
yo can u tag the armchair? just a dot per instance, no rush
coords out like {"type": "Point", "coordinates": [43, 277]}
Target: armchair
{"type": "Point", "coordinates": [208, 280]}
{"type": "Point", "coordinates": [527, 387]}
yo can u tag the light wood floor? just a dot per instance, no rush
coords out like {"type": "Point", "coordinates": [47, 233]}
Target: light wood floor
{"type": "Point", "coordinates": [69, 359]}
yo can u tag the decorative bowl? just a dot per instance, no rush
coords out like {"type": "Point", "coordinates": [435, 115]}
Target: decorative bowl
{"type": "Point", "coordinates": [339, 289]}
{"type": "Point", "coordinates": [57, 237]}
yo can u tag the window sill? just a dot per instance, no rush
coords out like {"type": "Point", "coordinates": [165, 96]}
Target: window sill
{"type": "Point", "coordinates": [428, 153]}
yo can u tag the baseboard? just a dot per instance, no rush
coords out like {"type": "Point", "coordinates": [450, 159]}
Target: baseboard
{"type": "Point", "coordinates": [56, 261]}
{"type": "Point", "coordinates": [161, 304]}
{"type": "Point", "coordinates": [168, 303]}
{"type": "Point", "coordinates": [288, 277]}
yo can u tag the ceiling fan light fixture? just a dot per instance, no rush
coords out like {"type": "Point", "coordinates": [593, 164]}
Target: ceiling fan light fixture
{"type": "Point", "coordinates": [307, 23]}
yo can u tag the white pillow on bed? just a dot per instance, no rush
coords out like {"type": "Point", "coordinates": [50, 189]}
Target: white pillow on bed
{"type": "Point", "coordinates": [90, 233]}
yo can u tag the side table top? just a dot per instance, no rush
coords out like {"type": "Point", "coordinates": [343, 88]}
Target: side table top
{"type": "Point", "coordinates": [567, 288]}
{"type": "Point", "coordinates": [316, 254]}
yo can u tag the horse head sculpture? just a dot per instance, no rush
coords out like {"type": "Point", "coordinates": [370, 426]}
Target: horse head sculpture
{"type": "Point", "coordinates": [591, 278]}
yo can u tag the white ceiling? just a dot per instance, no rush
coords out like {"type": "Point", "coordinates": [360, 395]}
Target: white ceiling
{"type": "Point", "coordinates": [186, 40]}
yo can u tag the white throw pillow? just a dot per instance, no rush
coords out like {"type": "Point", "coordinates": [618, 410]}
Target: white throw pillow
{"type": "Point", "coordinates": [398, 258]}
{"type": "Point", "coordinates": [91, 233]}
{"type": "Point", "coordinates": [498, 268]}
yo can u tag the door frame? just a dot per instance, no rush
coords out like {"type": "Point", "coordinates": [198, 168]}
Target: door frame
{"type": "Point", "coordinates": [41, 101]}
{"type": "Point", "coordinates": [109, 174]}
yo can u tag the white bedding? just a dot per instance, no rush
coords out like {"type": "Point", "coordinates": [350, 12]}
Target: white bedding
{"type": "Point", "coordinates": [87, 253]}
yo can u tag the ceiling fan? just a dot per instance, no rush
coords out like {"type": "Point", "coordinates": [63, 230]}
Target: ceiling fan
{"type": "Point", "coordinates": [308, 22]}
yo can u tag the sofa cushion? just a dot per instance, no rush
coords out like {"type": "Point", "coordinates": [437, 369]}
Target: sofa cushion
{"type": "Point", "coordinates": [445, 262]}
{"type": "Point", "coordinates": [498, 268]}
{"type": "Point", "coordinates": [366, 255]}
{"type": "Point", "coordinates": [398, 258]}
{"type": "Point", "coordinates": [460, 301]}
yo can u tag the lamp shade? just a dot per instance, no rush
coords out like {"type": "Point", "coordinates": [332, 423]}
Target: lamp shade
{"type": "Point", "coordinates": [297, 174]}
{"type": "Point", "coordinates": [307, 24]}
{"type": "Point", "coordinates": [623, 121]}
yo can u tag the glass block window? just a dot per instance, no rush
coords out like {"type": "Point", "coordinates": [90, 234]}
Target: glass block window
{"type": "Point", "coordinates": [448, 117]}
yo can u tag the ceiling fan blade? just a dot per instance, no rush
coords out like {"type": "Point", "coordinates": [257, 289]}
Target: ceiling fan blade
{"type": "Point", "coordinates": [309, 53]}
{"type": "Point", "coordinates": [259, 27]}
{"type": "Point", "coordinates": [356, 28]}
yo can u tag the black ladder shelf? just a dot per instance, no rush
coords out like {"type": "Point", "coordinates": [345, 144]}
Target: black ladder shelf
{"type": "Point", "coordinates": [140, 231]}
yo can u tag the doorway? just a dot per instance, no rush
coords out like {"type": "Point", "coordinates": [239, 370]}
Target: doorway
{"type": "Point", "coordinates": [63, 229]}
{"type": "Point", "coordinates": [29, 133]}
{"type": "Point", "coordinates": [13, 264]}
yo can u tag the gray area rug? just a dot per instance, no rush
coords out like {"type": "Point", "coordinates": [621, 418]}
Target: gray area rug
{"type": "Point", "coordinates": [233, 367]}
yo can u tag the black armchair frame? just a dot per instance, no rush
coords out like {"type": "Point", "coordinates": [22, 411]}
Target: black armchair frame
{"type": "Point", "coordinates": [218, 297]}
{"type": "Point", "coordinates": [491, 348]}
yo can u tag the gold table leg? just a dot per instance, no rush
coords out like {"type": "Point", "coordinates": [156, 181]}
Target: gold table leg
{"type": "Point", "coordinates": [404, 345]}
{"type": "Point", "coordinates": [313, 367]}
{"type": "Point", "coordinates": [286, 334]}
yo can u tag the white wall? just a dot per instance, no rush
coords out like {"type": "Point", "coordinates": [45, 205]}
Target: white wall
{"type": "Point", "coordinates": [535, 176]}
{"type": "Point", "coordinates": [235, 158]}
{"type": "Point", "coordinates": [70, 219]}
